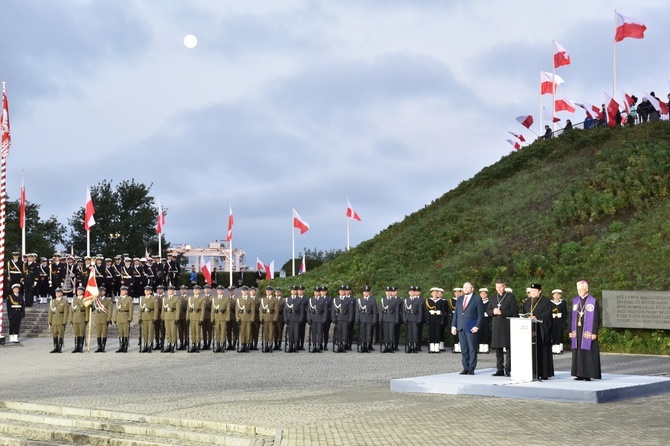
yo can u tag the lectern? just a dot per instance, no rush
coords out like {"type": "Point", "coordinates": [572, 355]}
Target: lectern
{"type": "Point", "coordinates": [523, 343]}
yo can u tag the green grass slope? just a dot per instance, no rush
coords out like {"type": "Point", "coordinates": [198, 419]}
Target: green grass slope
{"type": "Point", "coordinates": [587, 205]}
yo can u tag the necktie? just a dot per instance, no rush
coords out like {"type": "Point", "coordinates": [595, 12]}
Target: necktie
{"type": "Point", "coordinates": [465, 302]}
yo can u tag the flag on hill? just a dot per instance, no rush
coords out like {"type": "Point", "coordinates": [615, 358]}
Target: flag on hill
{"type": "Point", "coordinates": [351, 213]}
{"type": "Point", "coordinates": [89, 220]}
{"type": "Point", "coordinates": [548, 81]}
{"type": "Point", "coordinates": [561, 56]}
{"type": "Point", "coordinates": [206, 270]}
{"type": "Point", "coordinates": [299, 223]}
{"type": "Point", "coordinates": [525, 120]}
{"type": "Point", "coordinates": [628, 27]}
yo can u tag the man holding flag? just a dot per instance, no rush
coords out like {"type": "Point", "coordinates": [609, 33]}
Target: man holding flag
{"type": "Point", "coordinates": [102, 315]}
{"type": "Point", "coordinates": [79, 319]}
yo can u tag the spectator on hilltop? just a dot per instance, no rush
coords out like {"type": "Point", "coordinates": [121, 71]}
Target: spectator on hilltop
{"type": "Point", "coordinates": [653, 113]}
{"type": "Point", "coordinates": [644, 109]}
{"type": "Point", "coordinates": [632, 112]}
{"type": "Point", "coordinates": [602, 120]}
{"type": "Point", "coordinates": [617, 117]}
{"type": "Point", "coordinates": [547, 132]}
{"type": "Point", "coordinates": [568, 126]}
{"type": "Point", "coordinates": [589, 123]}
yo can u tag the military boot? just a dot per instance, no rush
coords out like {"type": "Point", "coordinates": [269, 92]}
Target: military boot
{"type": "Point", "coordinates": [55, 350]}
{"type": "Point", "coordinates": [120, 350]}
{"type": "Point", "coordinates": [61, 341]}
{"type": "Point", "coordinates": [99, 345]}
{"type": "Point", "coordinates": [76, 345]}
{"type": "Point", "coordinates": [104, 345]}
{"type": "Point", "coordinates": [126, 341]}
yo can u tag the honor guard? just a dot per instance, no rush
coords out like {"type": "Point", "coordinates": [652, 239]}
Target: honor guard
{"type": "Point", "coordinates": [79, 320]}
{"type": "Point", "coordinates": [342, 314]}
{"type": "Point", "coordinates": [117, 269]}
{"type": "Point", "coordinates": [108, 280]}
{"type": "Point", "coordinates": [485, 332]}
{"type": "Point", "coordinates": [219, 318]}
{"type": "Point", "coordinates": [412, 317]}
{"type": "Point", "coordinates": [455, 345]}
{"type": "Point", "coordinates": [173, 270]}
{"type": "Point", "coordinates": [232, 328]}
{"type": "Point", "coordinates": [59, 312]}
{"type": "Point", "coordinates": [328, 316]}
{"type": "Point", "coordinates": [159, 324]}
{"type": "Point", "coordinates": [148, 315]}
{"type": "Point", "coordinates": [15, 312]}
{"type": "Point", "coordinates": [195, 304]}
{"type": "Point", "coordinates": [317, 309]}
{"type": "Point", "coordinates": [389, 317]}
{"type": "Point", "coordinates": [245, 317]}
{"type": "Point", "coordinates": [56, 274]}
{"type": "Point", "coordinates": [100, 269]}
{"type": "Point", "coordinates": [279, 318]}
{"type": "Point", "coordinates": [149, 276]}
{"type": "Point", "coordinates": [102, 315]}
{"type": "Point", "coordinates": [255, 325]}
{"type": "Point", "coordinates": [30, 278]}
{"type": "Point", "coordinates": [268, 309]}
{"type": "Point", "coordinates": [15, 270]}
{"type": "Point", "coordinates": [182, 327]}
{"type": "Point", "coordinates": [293, 315]}
{"type": "Point", "coordinates": [366, 316]}
{"type": "Point", "coordinates": [123, 316]}
{"type": "Point", "coordinates": [206, 318]}
{"type": "Point", "coordinates": [70, 276]}
{"type": "Point", "coordinates": [303, 323]}
{"type": "Point", "coordinates": [559, 314]}
{"type": "Point", "coordinates": [137, 280]}
{"type": "Point", "coordinates": [436, 310]}
{"type": "Point", "coordinates": [43, 282]}
{"type": "Point", "coordinates": [170, 315]}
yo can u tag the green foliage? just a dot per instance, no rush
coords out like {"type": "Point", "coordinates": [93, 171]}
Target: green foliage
{"type": "Point", "coordinates": [42, 236]}
{"type": "Point", "coordinates": [589, 204]}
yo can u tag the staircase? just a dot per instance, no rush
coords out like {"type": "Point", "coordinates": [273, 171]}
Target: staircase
{"type": "Point", "coordinates": [45, 425]}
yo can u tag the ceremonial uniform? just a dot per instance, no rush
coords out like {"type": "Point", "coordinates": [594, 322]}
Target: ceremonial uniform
{"type": "Point", "coordinates": [268, 308]}
{"type": "Point", "coordinates": [43, 281]}
{"type": "Point", "coordinates": [255, 325]}
{"type": "Point", "coordinates": [389, 317]}
{"type": "Point", "coordinates": [59, 312]}
{"type": "Point", "coordinates": [559, 315]}
{"type": "Point", "coordinates": [102, 315]}
{"type": "Point", "coordinates": [159, 324]}
{"type": "Point", "coordinates": [117, 271]}
{"type": "Point", "coordinates": [182, 327]}
{"type": "Point", "coordinates": [195, 307]}
{"type": "Point", "coordinates": [170, 313]}
{"type": "Point", "coordinates": [31, 276]}
{"type": "Point", "coordinates": [232, 327]}
{"type": "Point", "coordinates": [206, 318]}
{"type": "Point", "coordinates": [56, 275]}
{"type": "Point", "coordinates": [412, 316]}
{"type": "Point", "coordinates": [328, 317]}
{"type": "Point", "coordinates": [317, 312]}
{"type": "Point", "coordinates": [79, 320]}
{"type": "Point", "coordinates": [245, 317]}
{"type": "Point", "coordinates": [219, 316]}
{"type": "Point", "coordinates": [123, 316]}
{"type": "Point", "coordinates": [293, 315]}
{"type": "Point", "coordinates": [485, 329]}
{"type": "Point", "coordinates": [173, 271]}
{"type": "Point", "coordinates": [15, 312]}
{"type": "Point", "coordinates": [148, 315]}
{"type": "Point", "coordinates": [279, 318]}
{"type": "Point", "coordinates": [15, 270]}
{"type": "Point", "coordinates": [342, 314]}
{"type": "Point", "coordinates": [69, 277]}
{"type": "Point", "coordinates": [303, 322]}
{"type": "Point", "coordinates": [366, 316]}
{"type": "Point", "coordinates": [137, 279]}
{"type": "Point", "coordinates": [436, 315]}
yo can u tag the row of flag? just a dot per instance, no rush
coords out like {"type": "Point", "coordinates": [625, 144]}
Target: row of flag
{"type": "Point", "coordinates": [626, 27]}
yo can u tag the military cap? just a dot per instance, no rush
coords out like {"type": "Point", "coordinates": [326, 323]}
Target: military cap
{"type": "Point", "coordinates": [434, 289]}
{"type": "Point", "coordinates": [324, 288]}
{"type": "Point", "coordinates": [458, 289]}
{"type": "Point", "coordinates": [528, 290]}
{"type": "Point", "coordinates": [536, 286]}
{"type": "Point", "coordinates": [127, 259]}
{"type": "Point", "coordinates": [171, 287]}
{"type": "Point", "coordinates": [294, 287]}
{"type": "Point", "coordinates": [16, 285]}
{"type": "Point", "coordinates": [411, 288]}
{"type": "Point", "coordinates": [123, 287]}
{"type": "Point", "coordinates": [59, 290]}
{"type": "Point", "coordinates": [183, 287]}
{"type": "Point", "coordinates": [163, 259]}
{"type": "Point", "coordinates": [57, 254]}
{"type": "Point", "coordinates": [136, 259]}
{"type": "Point", "coordinates": [143, 259]}
{"type": "Point", "coordinates": [389, 288]}
{"type": "Point", "coordinates": [268, 288]}
{"type": "Point", "coordinates": [80, 260]}
{"type": "Point", "coordinates": [343, 287]}
{"type": "Point", "coordinates": [301, 287]}
{"type": "Point", "coordinates": [43, 259]}
{"type": "Point", "coordinates": [15, 253]}
{"type": "Point", "coordinates": [367, 288]}
{"type": "Point", "coordinates": [107, 259]}
{"type": "Point", "coordinates": [252, 288]}
{"type": "Point", "coordinates": [118, 256]}
{"type": "Point", "coordinates": [208, 286]}
{"type": "Point", "coordinates": [245, 288]}
{"type": "Point", "coordinates": [231, 287]}
{"type": "Point", "coordinates": [485, 290]}
{"type": "Point", "coordinates": [87, 258]}
{"type": "Point", "coordinates": [32, 254]}
{"type": "Point", "coordinates": [80, 288]}
{"type": "Point", "coordinates": [278, 289]}
{"type": "Point", "coordinates": [148, 287]}
{"type": "Point", "coordinates": [102, 288]}
{"type": "Point", "coordinates": [99, 257]}
{"type": "Point", "coordinates": [556, 291]}
{"type": "Point", "coordinates": [508, 290]}
{"type": "Point", "coordinates": [317, 288]}
{"type": "Point", "coordinates": [160, 287]}
{"type": "Point", "coordinates": [196, 287]}
{"type": "Point", "coordinates": [220, 287]}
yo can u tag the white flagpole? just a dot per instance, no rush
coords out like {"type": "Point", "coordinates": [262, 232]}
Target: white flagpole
{"type": "Point", "coordinates": [347, 232]}
{"type": "Point", "coordinates": [539, 129]}
{"type": "Point", "coordinates": [293, 242]}
{"type": "Point", "coordinates": [160, 235]}
{"type": "Point", "coordinates": [88, 243]}
{"type": "Point", "coordinates": [614, 60]}
{"type": "Point", "coordinates": [23, 230]}
{"type": "Point", "coordinates": [553, 91]}
{"type": "Point", "coordinates": [230, 254]}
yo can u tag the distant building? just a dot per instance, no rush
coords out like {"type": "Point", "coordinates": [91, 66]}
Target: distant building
{"type": "Point", "coordinates": [218, 253]}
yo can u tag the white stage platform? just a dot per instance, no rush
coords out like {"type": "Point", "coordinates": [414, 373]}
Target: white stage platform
{"type": "Point", "coordinates": [562, 387]}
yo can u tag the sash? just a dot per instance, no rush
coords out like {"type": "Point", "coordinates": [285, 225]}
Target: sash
{"type": "Point", "coordinates": [587, 321]}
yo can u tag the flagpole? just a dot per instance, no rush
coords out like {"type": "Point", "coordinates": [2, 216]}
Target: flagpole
{"type": "Point", "coordinates": [88, 243]}
{"type": "Point", "coordinates": [347, 232]}
{"type": "Point", "coordinates": [293, 242]}
{"type": "Point", "coordinates": [90, 322]}
{"type": "Point", "coordinates": [614, 60]}
{"type": "Point", "coordinates": [3, 192]}
{"type": "Point", "coordinates": [23, 223]}
{"type": "Point", "coordinates": [553, 91]}
{"type": "Point", "coordinates": [230, 255]}
{"type": "Point", "coordinates": [539, 127]}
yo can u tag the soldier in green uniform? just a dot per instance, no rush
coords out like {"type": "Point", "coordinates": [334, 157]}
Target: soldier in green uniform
{"type": "Point", "coordinates": [123, 316]}
{"type": "Point", "coordinates": [279, 318]}
{"type": "Point", "coordinates": [195, 307]}
{"type": "Point", "coordinates": [268, 310]}
{"type": "Point", "coordinates": [245, 317]}
{"type": "Point", "coordinates": [59, 311]}
{"type": "Point", "coordinates": [79, 320]}
{"type": "Point", "coordinates": [232, 328]}
{"type": "Point", "coordinates": [148, 316]}
{"type": "Point", "coordinates": [206, 318]}
{"type": "Point", "coordinates": [182, 327]}
{"type": "Point", "coordinates": [219, 318]}
{"type": "Point", "coordinates": [102, 315]}
{"type": "Point", "coordinates": [170, 315]}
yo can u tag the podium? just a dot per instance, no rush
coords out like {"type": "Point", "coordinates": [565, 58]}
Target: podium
{"type": "Point", "coordinates": [524, 348]}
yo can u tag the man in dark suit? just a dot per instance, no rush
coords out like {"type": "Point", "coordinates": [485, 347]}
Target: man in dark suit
{"type": "Point", "coordinates": [467, 320]}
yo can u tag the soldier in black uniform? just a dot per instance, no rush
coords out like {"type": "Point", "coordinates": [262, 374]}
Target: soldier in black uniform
{"type": "Point", "coordinates": [279, 319]}
{"type": "Point", "coordinates": [206, 318]}
{"type": "Point", "coordinates": [293, 315]}
{"type": "Point", "coordinates": [329, 317]}
{"type": "Point", "coordinates": [137, 280]}
{"type": "Point", "coordinates": [412, 317]}
{"type": "Point", "coordinates": [303, 323]}
{"type": "Point", "coordinates": [31, 275]}
{"type": "Point", "coordinates": [159, 324]}
{"type": "Point", "coordinates": [317, 310]}
{"type": "Point", "coordinates": [366, 316]}
{"type": "Point", "coordinates": [436, 314]}
{"type": "Point", "coordinates": [484, 333]}
{"type": "Point", "coordinates": [173, 270]}
{"type": "Point", "coordinates": [70, 276]}
{"type": "Point", "coordinates": [149, 275]}
{"type": "Point", "coordinates": [343, 315]}
{"type": "Point", "coordinates": [389, 318]}
{"type": "Point", "coordinates": [15, 270]}
{"type": "Point", "coordinates": [108, 277]}
{"type": "Point", "coordinates": [182, 327]}
{"type": "Point", "coordinates": [116, 269]}
{"type": "Point", "coordinates": [43, 278]}
{"type": "Point", "coordinates": [56, 275]}
{"type": "Point", "coordinates": [232, 327]}
{"type": "Point", "coordinates": [15, 312]}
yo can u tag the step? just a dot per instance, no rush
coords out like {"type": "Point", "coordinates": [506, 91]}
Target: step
{"type": "Point", "coordinates": [102, 427]}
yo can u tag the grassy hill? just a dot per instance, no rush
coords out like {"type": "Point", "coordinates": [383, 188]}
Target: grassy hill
{"type": "Point", "coordinates": [589, 204]}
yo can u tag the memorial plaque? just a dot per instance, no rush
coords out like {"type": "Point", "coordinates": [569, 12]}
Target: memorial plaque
{"type": "Point", "coordinates": [636, 309]}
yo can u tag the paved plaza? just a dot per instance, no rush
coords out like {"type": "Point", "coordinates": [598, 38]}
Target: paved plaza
{"type": "Point", "coordinates": [327, 398]}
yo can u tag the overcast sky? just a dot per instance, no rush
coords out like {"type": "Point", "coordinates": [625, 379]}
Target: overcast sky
{"type": "Point", "coordinates": [294, 103]}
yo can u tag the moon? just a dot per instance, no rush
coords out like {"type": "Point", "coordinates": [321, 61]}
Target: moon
{"type": "Point", "coordinates": [190, 41]}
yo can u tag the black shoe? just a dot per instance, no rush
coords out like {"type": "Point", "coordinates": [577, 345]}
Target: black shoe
{"type": "Point", "coordinates": [508, 374]}
{"type": "Point", "coordinates": [464, 372]}
{"type": "Point", "coordinates": [55, 350]}
{"type": "Point", "coordinates": [471, 372]}
{"type": "Point", "coordinates": [499, 373]}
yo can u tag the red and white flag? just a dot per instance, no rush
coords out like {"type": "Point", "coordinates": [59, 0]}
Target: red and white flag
{"type": "Point", "coordinates": [590, 110]}
{"type": "Point", "coordinates": [6, 134]}
{"type": "Point", "coordinates": [270, 271]}
{"type": "Point", "coordinates": [561, 56]}
{"type": "Point", "coordinates": [565, 105]}
{"type": "Point", "coordinates": [628, 27]}
{"type": "Point", "coordinates": [22, 206]}
{"type": "Point", "coordinates": [515, 144]}
{"type": "Point", "coordinates": [260, 266]}
{"type": "Point", "coordinates": [627, 100]}
{"type": "Point", "coordinates": [89, 220]}
{"type": "Point", "coordinates": [548, 117]}
{"type": "Point", "coordinates": [548, 81]}
{"type": "Point", "coordinates": [518, 136]}
{"type": "Point", "coordinates": [161, 219]}
{"type": "Point", "coordinates": [660, 106]}
{"type": "Point", "coordinates": [299, 223]}
{"type": "Point", "coordinates": [303, 266]}
{"type": "Point", "coordinates": [231, 222]}
{"type": "Point", "coordinates": [612, 108]}
{"type": "Point", "coordinates": [525, 120]}
{"type": "Point", "coordinates": [91, 292]}
{"type": "Point", "coordinates": [351, 213]}
{"type": "Point", "coordinates": [206, 270]}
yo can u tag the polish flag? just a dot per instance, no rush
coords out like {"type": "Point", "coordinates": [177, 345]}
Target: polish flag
{"type": "Point", "coordinates": [351, 213]}
{"type": "Point", "coordinates": [206, 270]}
{"type": "Point", "coordinates": [561, 56]}
{"type": "Point", "coordinates": [299, 223]}
{"type": "Point", "coordinates": [589, 109]}
{"type": "Point", "coordinates": [515, 144]}
{"type": "Point", "coordinates": [660, 106]}
{"type": "Point", "coordinates": [525, 120]}
{"type": "Point", "coordinates": [270, 271]}
{"type": "Point", "coordinates": [518, 136]}
{"type": "Point", "coordinates": [6, 134]}
{"type": "Point", "coordinates": [548, 117]}
{"type": "Point", "coordinates": [548, 81]}
{"type": "Point", "coordinates": [565, 105]}
{"type": "Point", "coordinates": [627, 100]}
{"type": "Point", "coordinates": [303, 266]}
{"type": "Point", "coordinates": [161, 219]}
{"type": "Point", "coordinates": [22, 206]}
{"type": "Point", "coordinates": [260, 266]}
{"type": "Point", "coordinates": [231, 221]}
{"type": "Point", "coordinates": [612, 108]}
{"type": "Point", "coordinates": [91, 292]}
{"type": "Point", "coordinates": [628, 27]}
{"type": "Point", "coordinates": [89, 211]}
